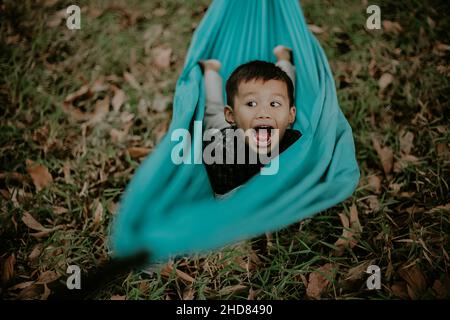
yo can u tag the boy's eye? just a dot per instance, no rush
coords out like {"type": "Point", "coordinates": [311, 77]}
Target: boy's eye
{"type": "Point", "coordinates": [275, 104]}
{"type": "Point", "coordinates": [251, 104]}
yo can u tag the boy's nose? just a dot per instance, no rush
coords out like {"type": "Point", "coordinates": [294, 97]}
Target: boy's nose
{"type": "Point", "coordinates": [263, 112]}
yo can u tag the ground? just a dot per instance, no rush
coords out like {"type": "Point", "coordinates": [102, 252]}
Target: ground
{"type": "Point", "coordinates": [80, 109]}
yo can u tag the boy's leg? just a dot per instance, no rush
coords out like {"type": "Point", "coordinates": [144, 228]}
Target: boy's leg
{"type": "Point", "coordinates": [214, 117]}
{"type": "Point", "coordinates": [284, 57]}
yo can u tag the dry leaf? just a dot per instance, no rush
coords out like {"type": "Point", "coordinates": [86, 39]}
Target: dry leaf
{"type": "Point", "coordinates": [232, 289]}
{"type": "Point", "coordinates": [404, 162]}
{"type": "Point", "coordinates": [138, 152]}
{"type": "Point", "coordinates": [98, 214]}
{"type": "Point", "coordinates": [131, 80]}
{"type": "Point", "coordinates": [375, 183]}
{"type": "Point", "coordinates": [57, 18]}
{"type": "Point", "coordinates": [374, 203]}
{"type": "Point", "coordinates": [31, 223]}
{"type": "Point", "coordinates": [385, 154]}
{"type": "Point", "coordinates": [385, 80]}
{"type": "Point", "coordinates": [442, 290]}
{"type": "Point", "coordinates": [36, 252]}
{"type": "Point", "coordinates": [66, 170]}
{"type": "Point", "coordinates": [441, 208]}
{"type": "Point", "coordinates": [442, 47]}
{"type": "Point", "coordinates": [399, 290]}
{"type": "Point", "coordinates": [161, 58]}
{"type": "Point", "coordinates": [189, 293]}
{"type": "Point", "coordinates": [33, 291]}
{"type": "Point", "coordinates": [358, 272]}
{"type": "Point", "coordinates": [415, 280]}
{"type": "Point", "coordinates": [47, 277]}
{"type": "Point", "coordinates": [117, 136]}
{"type": "Point", "coordinates": [406, 141]}
{"type": "Point", "coordinates": [118, 99]}
{"type": "Point", "coordinates": [395, 187]}
{"type": "Point", "coordinates": [100, 111]}
{"type": "Point", "coordinates": [118, 297]}
{"type": "Point", "coordinates": [21, 285]}
{"type": "Point", "coordinates": [319, 281]}
{"type": "Point", "coordinates": [351, 230]}
{"type": "Point", "coordinates": [315, 29]}
{"type": "Point", "coordinates": [59, 210]}
{"type": "Point", "coordinates": [8, 268]}
{"type": "Point", "coordinates": [160, 103]}
{"type": "Point", "coordinates": [392, 27]}
{"type": "Point", "coordinates": [168, 268]}
{"type": "Point", "coordinates": [39, 174]}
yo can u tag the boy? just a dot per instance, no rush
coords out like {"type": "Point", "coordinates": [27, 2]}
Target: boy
{"type": "Point", "coordinates": [260, 108]}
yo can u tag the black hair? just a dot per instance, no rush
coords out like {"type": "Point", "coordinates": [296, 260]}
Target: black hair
{"type": "Point", "coordinates": [257, 70]}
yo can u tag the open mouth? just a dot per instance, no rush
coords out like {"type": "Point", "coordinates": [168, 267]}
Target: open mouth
{"type": "Point", "coordinates": [262, 135]}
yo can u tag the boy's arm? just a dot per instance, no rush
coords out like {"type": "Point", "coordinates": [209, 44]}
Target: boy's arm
{"type": "Point", "coordinates": [214, 116]}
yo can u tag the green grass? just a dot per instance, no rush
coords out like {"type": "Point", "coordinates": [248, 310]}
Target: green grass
{"type": "Point", "coordinates": [44, 65]}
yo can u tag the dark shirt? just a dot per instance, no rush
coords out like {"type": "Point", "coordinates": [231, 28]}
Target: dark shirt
{"type": "Point", "coordinates": [225, 177]}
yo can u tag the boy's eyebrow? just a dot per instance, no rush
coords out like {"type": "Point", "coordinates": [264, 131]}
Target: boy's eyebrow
{"type": "Point", "coordinates": [254, 92]}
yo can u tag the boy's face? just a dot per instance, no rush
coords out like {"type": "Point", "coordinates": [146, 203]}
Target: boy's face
{"type": "Point", "coordinates": [259, 107]}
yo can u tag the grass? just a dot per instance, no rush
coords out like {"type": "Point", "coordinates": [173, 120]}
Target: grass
{"type": "Point", "coordinates": [405, 222]}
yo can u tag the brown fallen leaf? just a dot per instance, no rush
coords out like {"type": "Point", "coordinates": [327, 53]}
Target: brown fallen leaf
{"type": "Point", "coordinates": [8, 268]}
{"type": "Point", "coordinates": [131, 80]}
{"type": "Point", "coordinates": [168, 269]}
{"type": "Point", "coordinates": [392, 27]}
{"type": "Point", "coordinates": [406, 141]}
{"type": "Point", "coordinates": [100, 111]}
{"type": "Point", "coordinates": [36, 252]}
{"type": "Point", "coordinates": [59, 210]}
{"type": "Point", "coordinates": [34, 291]}
{"type": "Point", "coordinates": [405, 161]}
{"type": "Point", "coordinates": [351, 231]}
{"type": "Point", "coordinates": [118, 99]}
{"type": "Point", "coordinates": [374, 203]}
{"type": "Point", "coordinates": [359, 271]}
{"type": "Point", "coordinates": [315, 29]}
{"type": "Point", "coordinates": [98, 214]}
{"type": "Point", "coordinates": [375, 183]}
{"type": "Point", "coordinates": [138, 152]}
{"type": "Point", "coordinates": [57, 18]}
{"type": "Point", "coordinates": [232, 289]}
{"type": "Point", "coordinates": [39, 174]}
{"type": "Point", "coordinates": [441, 208]}
{"type": "Point", "coordinates": [160, 103]}
{"type": "Point", "coordinates": [442, 46]}
{"type": "Point", "coordinates": [385, 154]}
{"type": "Point", "coordinates": [161, 57]}
{"type": "Point", "coordinates": [442, 290]}
{"type": "Point", "coordinates": [117, 297]}
{"type": "Point", "coordinates": [189, 293]}
{"type": "Point", "coordinates": [32, 223]}
{"type": "Point", "coordinates": [415, 280]}
{"type": "Point", "coordinates": [47, 277]}
{"type": "Point", "coordinates": [319, 281]}
{"type": "Point", "coordinates": [21, 286]}
{"type": "Point", "coordinates": [385, 80]}
{"type": "Point", "coordinates": [399, 290]}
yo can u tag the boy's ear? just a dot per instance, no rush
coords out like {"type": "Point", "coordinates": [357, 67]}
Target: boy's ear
{"type": "Point", "coordinates": [229, 114]}
{"type": "Point", "coordinates": [292, 114]}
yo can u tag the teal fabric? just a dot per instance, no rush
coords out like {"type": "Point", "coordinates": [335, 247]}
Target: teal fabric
{"type": "Point", "coordinates": [170, 209]}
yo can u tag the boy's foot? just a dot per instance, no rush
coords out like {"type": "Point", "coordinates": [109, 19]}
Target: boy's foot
{"type": "Point", "coordinates": [210, 64]}
{"type": "Point", "coordinates": [282, 53]}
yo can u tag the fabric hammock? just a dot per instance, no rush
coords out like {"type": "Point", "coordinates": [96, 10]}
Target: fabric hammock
{"type": "Point", "coordinates": [170, 209]}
